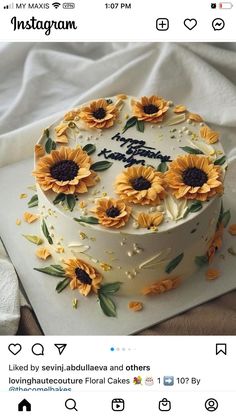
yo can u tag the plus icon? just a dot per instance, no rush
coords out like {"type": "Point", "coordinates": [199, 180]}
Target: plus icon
{"type": "Point", "coordinates": [162, 24]}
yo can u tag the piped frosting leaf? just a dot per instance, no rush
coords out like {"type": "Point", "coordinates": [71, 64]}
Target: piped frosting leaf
{"type": "Point", "coordinates": [174, 263]}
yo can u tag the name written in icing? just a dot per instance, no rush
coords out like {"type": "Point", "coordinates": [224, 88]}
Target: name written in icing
{"type": "Point", "coordinates": [135, 150]}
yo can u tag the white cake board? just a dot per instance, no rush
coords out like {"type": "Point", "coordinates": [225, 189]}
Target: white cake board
{"type": "Point", "coordinates": [54, 311]}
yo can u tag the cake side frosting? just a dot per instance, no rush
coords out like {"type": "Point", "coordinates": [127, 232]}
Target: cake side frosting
{"type": "Point", "coordinates": [132, 188]}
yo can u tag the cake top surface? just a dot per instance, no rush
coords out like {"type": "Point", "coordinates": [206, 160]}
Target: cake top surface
{"type": "Point", "coordinates": [130, 165]}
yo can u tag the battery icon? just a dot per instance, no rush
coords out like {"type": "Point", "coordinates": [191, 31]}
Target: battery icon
{"type": "Point", "coordinates": [226, 5]}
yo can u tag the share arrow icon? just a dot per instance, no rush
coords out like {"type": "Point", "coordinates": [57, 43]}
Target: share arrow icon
{"type": "Point", "coordinates": [61, 347]}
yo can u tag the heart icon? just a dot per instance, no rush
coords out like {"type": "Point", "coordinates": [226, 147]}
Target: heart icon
{"type": "Point", "coordinates": [190, 23]}
{"type": "Point", "coordinates": [14, 348]}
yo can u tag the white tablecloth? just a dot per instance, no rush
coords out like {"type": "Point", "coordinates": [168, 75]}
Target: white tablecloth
{"type": "Point", "coordinates": [40, 81]}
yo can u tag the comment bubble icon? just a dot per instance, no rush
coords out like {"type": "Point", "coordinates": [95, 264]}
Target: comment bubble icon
{"type": "Point", "coordinates": [37, 349]}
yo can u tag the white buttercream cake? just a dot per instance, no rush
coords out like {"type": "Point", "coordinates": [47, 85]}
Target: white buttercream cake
{"type": "Point", "coordinates": [129, 192]}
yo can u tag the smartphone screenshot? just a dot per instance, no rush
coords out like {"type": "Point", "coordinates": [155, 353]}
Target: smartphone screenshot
{"type": "Point", "coordinates": [117, 209]}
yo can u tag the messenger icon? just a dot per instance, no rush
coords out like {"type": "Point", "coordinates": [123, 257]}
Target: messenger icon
{"type": "Point", "coordinates": [164, 405]}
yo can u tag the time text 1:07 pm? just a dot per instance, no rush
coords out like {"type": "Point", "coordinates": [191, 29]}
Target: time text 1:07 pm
{"type": "Point", "coordinates": [122, 6]}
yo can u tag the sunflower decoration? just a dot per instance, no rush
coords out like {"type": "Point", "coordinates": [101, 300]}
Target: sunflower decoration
{"type": "Point", "coordinates": [140, 185]}
{"type": "Point", "coordinates": [194, 177]}
{"type": "Point", "coordinates": [100, 114]}
{"type": "Point", "coordinates": [111, 212]}
{"type": "Point", "coordinates": [65, 171]}
{"type": "Point", "coordinates": [83, 276]}
{"type": "Point", "coordinates": [150, 109]}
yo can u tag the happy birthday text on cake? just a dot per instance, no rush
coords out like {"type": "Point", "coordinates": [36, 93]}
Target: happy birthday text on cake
{"type": "Point", "coordinates": [135, 148]}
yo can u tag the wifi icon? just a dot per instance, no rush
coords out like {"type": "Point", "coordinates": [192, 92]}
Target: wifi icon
{"type": "Point", "coordinates": [56, 4]}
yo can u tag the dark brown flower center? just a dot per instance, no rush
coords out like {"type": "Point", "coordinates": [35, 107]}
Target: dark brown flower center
{"type": "Point", "coordinates": [99, 113]}
{"type": "Point", "coordinates": [140, 183]}
{"type": "Point", "coordinates": [112, 212]}
{"type": "Point", "coordinates": [82, 276]}
{"type": "Point", "coordinates": [149, 109]}
{"type": "Point", "coordinates": [194, 177]}
{"type": "Point", "coordinates": [64, 170]}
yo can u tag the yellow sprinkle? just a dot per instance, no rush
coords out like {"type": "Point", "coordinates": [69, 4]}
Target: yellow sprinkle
{"type": "Point", "coordinates": [75, 303]}
{"type": "Point", "coordinates": [126, 116]}
{"type": "Point", "coordinates": [82, 204]}
{"type": "Point", "coordinates": [104, 194]}
{"type": "Point", "coordinates": [59, 249]}
{"type": "Point", "coordinates": [105, 266]}
{"type": "Point", "coordinates": [18, 222]}
{"type": "Point", "coordinates": [83, 236]}
{"type": "Point", "coordinates": [153, 228]}
{"type": "Point", "coordinates": [23, 195]}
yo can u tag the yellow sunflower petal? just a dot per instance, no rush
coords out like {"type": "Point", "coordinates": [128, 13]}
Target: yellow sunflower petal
{"type": "Point", "coordinates": [43, 253]}
{"type": "Point", "coordinates": [212, 274]}
{"type": "Point", "coordinates": [232, 229]}
{"type": "Point", "coordinates": [180, 109]}
{"type": "Point", "coordinates": [29, 217]}
{"type": "Point", "coordinates": [135, 305]}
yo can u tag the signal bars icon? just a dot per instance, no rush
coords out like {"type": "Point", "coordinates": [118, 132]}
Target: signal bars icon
{"type": "Point", "coordinates": [56, 4]}
{"type": "Point", "coordinates": [9, 6]}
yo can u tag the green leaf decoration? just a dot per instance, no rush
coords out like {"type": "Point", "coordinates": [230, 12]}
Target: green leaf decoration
{"type": "Point", "coordinates": [162, 167]}
{"type": "Point", "coordinates": [107, 305]}
{"type": "Point", "coordinates": [52, 270]}
{"type": "Point", "coordinates": [33, 202]}
{"type": "Point", "coordinates": [58, 268]}
{"type": "Point", "coordinates": [62, 285]}
{"type": "Point", "coordinates": [226, 218]}
{"type": "Point", "coordinates": [110, 288]}
{"type": "Point", "coordinates": [88, 220]}
{"type": "Point", "coordinates": [33, 239]}
{"type": "Point", "coordinates": [220, 161]}
{"type": "Point", "coordinates": [192, 150]}
{"type": "Point", "coordinates": [47, 132]}
{"type": "Point", "coordinates": [71, 201]}
{"type": "Point", "coordinates": [100, 166]}
{"type": "Point", "coordinates": [89, 148]}
{"type": "Point", "coordinates": [221, 213]}
{"type": "Point", "coordinates": [130, 123]}
{"type": "Point", "coordinates": [201, 260]}
{"type": "Point", "coordinates": [59, 198]}
{"type": "Point", "coordinates": [46, 232]}
{"type": "Point", "coordinates": [140, 126]}
{"type": "Point", "coordinates": [50, 145]}
{"type": "Point", "coordinates": [194, 207]}
{"type": "Point", "coordinates": [173, 263]}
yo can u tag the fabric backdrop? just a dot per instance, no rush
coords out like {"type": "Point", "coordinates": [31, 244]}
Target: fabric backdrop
{"type": "Point", "coordinates": [39, 81]}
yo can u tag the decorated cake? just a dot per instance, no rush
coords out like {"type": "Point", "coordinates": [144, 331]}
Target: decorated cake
{"type": "Point", "coordinates": [129, 196]}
